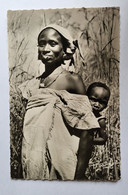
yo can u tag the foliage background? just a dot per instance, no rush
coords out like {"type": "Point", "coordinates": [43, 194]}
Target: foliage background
{"type": "Point", "coordinates": [97, 30]}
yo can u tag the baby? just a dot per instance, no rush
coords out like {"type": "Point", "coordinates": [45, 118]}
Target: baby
{"type": "Point", "coordinates": [99, 94]}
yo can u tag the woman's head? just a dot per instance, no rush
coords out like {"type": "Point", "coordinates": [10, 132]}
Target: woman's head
{"type": "Point", "coordinates": [50, 47]}
{"type": "Point", "coordinates": [54, 44]}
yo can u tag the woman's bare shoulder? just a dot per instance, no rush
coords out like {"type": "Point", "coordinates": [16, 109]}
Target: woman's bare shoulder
{"type": "Point", "coordinates": [71, 75]}
{"type": "Point", "coordinates": [76, 82]}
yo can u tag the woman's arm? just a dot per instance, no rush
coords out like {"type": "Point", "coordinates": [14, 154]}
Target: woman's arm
{"type": "Point", "coordinates": [86, 138]}
{"type": "Point", "coordinates": [84, 154]}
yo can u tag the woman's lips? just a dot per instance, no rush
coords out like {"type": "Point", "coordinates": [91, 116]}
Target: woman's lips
{"type": "Point", "coordinates": [46, 57]}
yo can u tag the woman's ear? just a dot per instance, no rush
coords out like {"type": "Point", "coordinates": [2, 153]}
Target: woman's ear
{"type": "Point", "coordinates": [67, 56]}
{"type": "Point", "coordinates": [64, 55]}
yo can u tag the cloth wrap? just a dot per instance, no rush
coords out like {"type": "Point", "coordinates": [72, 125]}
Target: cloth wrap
{"type": "Point", "coordinates": [49, 150]}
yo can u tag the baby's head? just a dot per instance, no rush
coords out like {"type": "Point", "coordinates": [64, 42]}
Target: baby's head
{"type": "Point", "coordinates": [98, 94]}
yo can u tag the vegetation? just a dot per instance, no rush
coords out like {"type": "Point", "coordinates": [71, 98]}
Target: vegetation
{"type": "Point", "coordinates": [97, 31]}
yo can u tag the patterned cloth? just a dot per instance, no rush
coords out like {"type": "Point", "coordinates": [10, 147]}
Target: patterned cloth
{"type": "Point", "coordinates": [49, 149]}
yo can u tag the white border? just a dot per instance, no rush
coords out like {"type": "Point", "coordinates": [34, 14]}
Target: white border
{"type": "Point", "coordinates": [14, 187]}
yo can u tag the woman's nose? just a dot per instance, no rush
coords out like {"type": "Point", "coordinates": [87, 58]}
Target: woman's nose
{"type": "Point", "coordinates": [46, 48]}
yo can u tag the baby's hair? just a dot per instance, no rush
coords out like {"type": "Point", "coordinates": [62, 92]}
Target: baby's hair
{"type": "Point", "coordinates": [97, 84]}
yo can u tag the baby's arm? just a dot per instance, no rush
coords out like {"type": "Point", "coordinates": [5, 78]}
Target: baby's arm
{"type": "Point", "coordinates": [102, 134]}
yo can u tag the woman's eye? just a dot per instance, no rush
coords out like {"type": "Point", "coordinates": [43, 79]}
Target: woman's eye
{"type": "Point", "coordinates": [53, 43]}
{"type": "Point", "coordinates": [41, 44]}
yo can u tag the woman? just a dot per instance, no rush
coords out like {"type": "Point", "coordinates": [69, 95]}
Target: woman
{"type": "Point", "coordinates": [59, 123]}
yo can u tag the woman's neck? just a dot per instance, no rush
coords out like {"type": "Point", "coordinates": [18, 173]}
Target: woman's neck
{"type": "Point", "coordinates": [49, 69]}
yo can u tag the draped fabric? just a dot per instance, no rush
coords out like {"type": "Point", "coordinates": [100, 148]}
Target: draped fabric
{"type": "Point", "coordinates": [49, 149]}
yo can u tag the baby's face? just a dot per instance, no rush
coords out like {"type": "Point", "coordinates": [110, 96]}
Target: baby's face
{"type": "Point", "coordinates": [98, 98]}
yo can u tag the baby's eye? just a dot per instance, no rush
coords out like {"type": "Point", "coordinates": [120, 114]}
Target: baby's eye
{"type": "Point", "coordinates": [103, 102]}
{"type": "Point", "coordinates": [93, 99]}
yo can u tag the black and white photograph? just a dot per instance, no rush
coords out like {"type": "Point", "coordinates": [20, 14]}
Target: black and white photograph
{"type": "Point", "coordinates": [64, 95]}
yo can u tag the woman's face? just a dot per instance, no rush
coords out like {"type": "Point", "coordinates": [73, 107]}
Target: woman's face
{"type": "Point", "coordinates": [50, 47]}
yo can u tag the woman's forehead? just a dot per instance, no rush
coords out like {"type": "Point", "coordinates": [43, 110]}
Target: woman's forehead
{"type": "Point", "coordinates": [50, 33]}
